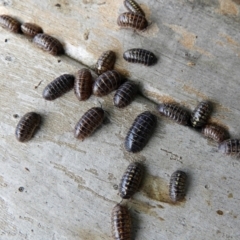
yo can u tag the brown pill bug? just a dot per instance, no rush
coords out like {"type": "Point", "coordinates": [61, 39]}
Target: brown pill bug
{"type": "Point", "coordinates": [138, 55]}
{"type": "Point", "coordinates": [10, 23]}
{"type": "Point", "coordinates": [132, 20]}
{"type": "Point", "coordinates": [106, 83]}
{"type": "Point", "coordinates": [131, 180]}
{"type": "Point", "coordinates": [174, 112]}
{"type": "Point", "coordinates": [201, 114]}
{"type": "Point", "coordinates": [133, 7]}
{"type": "Point", "coordinates": [26, 126]}
{"type": "Point", "coordinates": [88, 123]}
{"type": "Point", "coordinates": [125, 94]}
{"type": "Point", "coordinates": [177, 187]}
{"type": "Point", "coordinates": [230, 147]}
{"type": "Point", "coordinates": [31, 29]}
{"type": "Point", "coordinates": [140, 132]}
{"type": "Point", "coordinates": [121, 223]}
{"type": "Point", "coordinates": [83, 84]}
{"type": "Point", "coordinates": [214, 132]}
{"type": "Point", "coordinates": [48, 43]}
{"type": "Point", "coordinates": [105, 62]}
{"type": "Point", "coordinates": [58, 87]}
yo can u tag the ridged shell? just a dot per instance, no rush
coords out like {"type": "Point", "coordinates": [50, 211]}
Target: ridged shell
{"type": "Point", "coordinates": [31, 29]}
{"type": "Point", "coordinates": [105, 62]}
{"type": "Point", "coordinates": [214, 132]}
{"type": "Point", "coordinates": [10, 23]}
{"type": "Point", "coordinates": [230, 147]}
{"type": "Point", "coordinates": [133, 7]}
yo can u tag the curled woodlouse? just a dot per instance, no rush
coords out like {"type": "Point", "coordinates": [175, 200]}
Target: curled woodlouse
{"type": "Point", "coordinates": [125, 94]}
{"type": "Point", "coordinates": [132, 20]}
{"type": "Point", "coordinates": [121, 223]}
{"type": "Point", "coordinates": [26, 126]}
{"type": "Point", "coordinates": [174, 112]}
{"type": "Point", "coordinates": [87, 124]}
{"type": "Point", "coordinates": [214, 132]}
{"type": "Point", "coordinates": [230, 147]}
{"type": "Point", "coordinates": [48, 43]}
{"type": "Point", "coordinates": [105, 62]}
{"type": "Point", "coordinates": [83, 84]}
{"type": "Point", "coordinates": [106, 83]}
{"type": "Point", "coordinates": [133, 7]}
{"type": "Point", "coordinates": [140, 132]}
{"type": "Point", "coordinates": [10, 23]}
{"type": "Point", "coordinates": [177, 187]}
{"type": "Point", "coordinates": [131, 180]}
{"type": "Point", "coordinates": [58, 87]}
{"type": "Point", "coordinates": [31, 29]}
{"type": "Point", "coordinates": [201, 114]}
{"type": "Point", "coordinates": [138, 55]}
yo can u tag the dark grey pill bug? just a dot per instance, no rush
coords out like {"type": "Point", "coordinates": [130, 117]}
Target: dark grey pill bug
{"type": "Point", "coordinates": [133, 7]}
{"type": "Point", "coordinates": [31, 29]}
{"type": "Point", "coordinates": [215, 132]}
{"type": "Point", "coordinates": [10, 23]}
{"type": "Point", "coordinates": [201, 114]}
{"type": "Point", "coordinates": [175, 113]}
{"type": "Point", "coordinates": [131, 180]}
{"type": "Point", "coordinates": [140, 132]}
{"type": "Point", "coordinates": [89, 122]}
{"type": "Point", "coordinates": [138, 55]}
{"type": "Point", "coordinates": [177, 187]}
{"type": "Point", "coordinates": [121, 223]}
{"type": "Point", "coordinates": [230, 147]}
{"type": "Point", "coordinates": [27, 126]}
{"type": "Point", "coordinates": [58, 87]}
{"type": "Point", "coordinates": [125, 94]}
{"type": "Point", "coordinates": [48, 44]}
{"type": "Point", "coordinates": [105, 62]}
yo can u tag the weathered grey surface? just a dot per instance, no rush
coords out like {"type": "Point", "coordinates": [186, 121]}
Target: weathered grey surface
{"type": "Point", "coordinates": [68, 185]}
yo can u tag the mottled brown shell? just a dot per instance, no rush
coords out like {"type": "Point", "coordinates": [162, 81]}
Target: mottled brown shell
{"type": "Point", "coordinates": [105, 62]}
{"type": "Point", "coordinates": [31, 29]}
{"type": "Point", "coordinates": [214, 132]}
{"type": "Point", "coordinates": [121, 223]}
{"type": "Point", "coordinates": [10, 23]}
{"type": "Point", "coordinates": [26, 126]}
{"type": "Point", "coordinates": [230, 147]}
{"type": "Point", "coordinates": [133, 7]}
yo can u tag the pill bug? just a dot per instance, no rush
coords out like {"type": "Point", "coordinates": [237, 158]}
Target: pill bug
{"type": "Point", "coordinates": [121, 223]}
{"type": "Point", "coordinates": [88, 123]}
{"type": "Point", "coordinates": [125, 94]}
{"type": "Point", "coordinates": [177, 186]}
{"type": "Point", "coordinates": [48, 43]}
{"type": "Point", "coordinates": [138, 55]}
{"type": "Point", "coordinates": [31, 29]}
{"type": "Point", "coordinates": [174, 112]}
{"type": "Point", "coordinates": [26, 126]}
{"type": "Point", "coordinates": [105, 62]}
{"type": "Point", "coordinates": [201, 114]}
{"type": "Point", "coordinates": [58, 87]}
{"type": "Point", "coordinates": [83, 84]}
{"type": "Point", "coordinates": [131, 180]}
{"type": "Point", "coordinates": [230, 147]}
{"type": "Point", "coordinates": [133, 7]}
{"type": "Point", "coordinates": [140, 132]}
{"type": "Point", "coordinates": [106, 83]}
{"type": "Point", "coordinates": [132, 20]}
{"type": "Point", "coordinates": [214, 132]}
{"type": "Point", "coordinates": [10, 23]}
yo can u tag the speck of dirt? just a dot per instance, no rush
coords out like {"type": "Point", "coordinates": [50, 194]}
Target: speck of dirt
{"type": "Point", "coordinates": [58, 5]}
{"type": "Point", "coordinates": [220, 212]}
{"type": "Point", "coordinates": [21, 189]}
{"type": "Point", "coordinates": [15, 115]}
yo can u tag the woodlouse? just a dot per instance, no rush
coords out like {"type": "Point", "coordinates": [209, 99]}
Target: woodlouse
{"type": "Point", "coordinates": [87, 124]}
{"type": "Point", "coordinates": [26, 126]}
{"type": "Point", "coordinates": [214, 132]}
{"type": "Point", "coordinates": [83, 84]}
{"type": "Point", "coordinates": [121, 223]}
{"type": "Point", "coordinates": [132, 20]}
{"type": "Point", "coordinates": [131, 180]}
{"type": "Point", "coordinates": [201, 114]}
{"type": "Point", "coordinates": [138, 55]}
{"type": "Point", "coordinates": [230, 147]}
{"type": "Point", "coordinates": [58, 87]}
{"type": "Point", "coordinates": [48, 43]}
{"type": "Point", "coordinates": [174, 112]}
{"type": "Point", "coordinates": [106, 83]}
{"type": "Point", "coordinates": [133, 7]}
{"type": "Point", "coordinates": [10, 23]}
{"type": "Point", "coordinates": [177, 187]}
{"type": "Point", "coordinates": [31, 29]}
{"type": "Point", "coordinates": [125, 94]}
{"type": "Point", "coordinates": [105, 62]}
{"type": "Point", "coordinates": [140, 132]}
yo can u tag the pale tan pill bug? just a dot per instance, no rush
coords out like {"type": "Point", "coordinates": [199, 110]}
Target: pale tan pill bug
{"type": "Point", "coordinates": [31, 29]}
{"type": "Point", "coordinates": [133, 7]}
{"type": "Point", "coordinates": [215, 132]}
{"type": "Point", "coordinates": [230, 147]}
{"type": "Point", "coordinates": [10, 23]}
{"type": "Point", "coordinates": [121, 223]}
{"type": "Point", "coordinates": [27, 126]}
{"type": "Point", "coordinates": [105, 62]}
